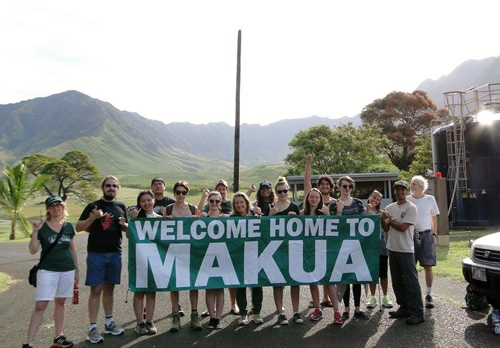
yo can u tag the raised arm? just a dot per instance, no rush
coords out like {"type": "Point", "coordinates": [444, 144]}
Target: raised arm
{"type": "Point", "coordinates": [307, 175]}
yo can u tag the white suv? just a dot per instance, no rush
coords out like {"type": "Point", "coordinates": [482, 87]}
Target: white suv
{"type": "Point", "coordinates": [482, 268]}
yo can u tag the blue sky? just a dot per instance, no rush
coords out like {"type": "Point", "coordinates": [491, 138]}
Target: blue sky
{"type": "Point", "coordinates": [176, 60]}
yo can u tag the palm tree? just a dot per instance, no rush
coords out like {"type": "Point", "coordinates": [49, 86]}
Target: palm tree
{"type": "Point", "coordinates": [14, 193]}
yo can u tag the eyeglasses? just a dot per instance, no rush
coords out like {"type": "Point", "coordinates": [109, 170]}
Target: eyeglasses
{"type": "Point", "coordinates": [178, 192]}
{"type": "Point", "coordinates": [111, 185]}
{"type": "Point", "coordinates": [347, 186]}
{"type": "Point", "coordinates": [281, 191]}
{"type": "Point", "coordinates": [216, 201]}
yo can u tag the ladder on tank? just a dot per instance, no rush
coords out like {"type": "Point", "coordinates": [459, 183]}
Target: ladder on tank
{"type": "Point", "coordinates": [462, 106]}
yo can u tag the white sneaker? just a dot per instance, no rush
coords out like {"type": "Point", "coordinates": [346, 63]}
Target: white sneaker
{"type": "Point", "coordinates": [257, 319]}
{"type": "Point", "coordinates": [372, 302]}
{"type": "Point", "coordinates": [386, 302]}
{"type": "Point", "coordinates": [243, 320]}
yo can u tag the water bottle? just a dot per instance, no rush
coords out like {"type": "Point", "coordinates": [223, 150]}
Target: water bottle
{"type": "Point", "coordinates": [75, 294]}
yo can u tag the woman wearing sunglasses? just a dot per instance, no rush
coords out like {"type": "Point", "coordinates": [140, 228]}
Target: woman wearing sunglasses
{"type": "Point", "coordinates": [348, 205]}
{"type": "Point", "coordinates": [314, 206]}
{"type": "Point", "coordinates": [283, 206]}
{"type": "Point", "coordinates": [214, 297]}
{"type": "Point", "coordinates": [241, 207]}
{"type": "Point", "coordinates": [181, 209]}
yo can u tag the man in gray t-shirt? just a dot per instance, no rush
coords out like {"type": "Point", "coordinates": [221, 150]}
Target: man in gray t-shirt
{"type": "Point", "coordinates": [398, 219]}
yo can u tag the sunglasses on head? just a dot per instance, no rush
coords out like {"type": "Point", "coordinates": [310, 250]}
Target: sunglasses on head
{"type": "Point", "coordinates": [281, 191]}
{"type": "Point", "coordinates": [178, 192]}
{"type": "Point", "coordinates": [216, 201]}
{"type": "Point", "coordinates": [347, 186]}
{"type": "Point", "coordinates": [111, 185]}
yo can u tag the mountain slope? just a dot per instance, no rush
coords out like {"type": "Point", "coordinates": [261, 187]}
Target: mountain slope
{"type": "Point", "coordinates": [125, 142]}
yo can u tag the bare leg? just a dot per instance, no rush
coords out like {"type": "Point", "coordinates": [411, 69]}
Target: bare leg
{"type": "Point", "coordinates": [174, 298]}
{"type": "Point", "coordinates": [332, 293]}
{"type": "Point", "coordinates": [210, 295]}
{"type": "Point", "coordinates": [278, 298]}
{"type": "Point", "coordinates": [150, 305]}
{"type": "Point", "coordinates": [107, 299]}
{"type": "Point", "coordinates": [219, 299]}
{"type": "Point", "coordinates": [94, 299]}
{"type": "Point", "coordinates": [429, 277]}
{"type": "Point", "coordinates": [232, 296]}
{"type": "Point", "coordinates": [383, 284]}
{"type": "Point", "coordinates": [325, 293]}
{"type": "Point", "coordinates": [36, 319]}
{"type": "Point", "coordinates": [295, 295]}
{"type": "Point", "coordinates": [193, 298]}
{"type": "Point", "coordinates": [59, 312]}
{"type": "Point", "coordinates": [139, 306]}
{"type": "Point", "coordinates": [373, 287]}
{"type": "Point", "coordinates": [315, 295]}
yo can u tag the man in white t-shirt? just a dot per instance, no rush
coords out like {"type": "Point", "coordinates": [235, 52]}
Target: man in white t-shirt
{"type": "Point", "coordinates": [425, 231]}
{"type": "Point", "coordinates": [398, 219]}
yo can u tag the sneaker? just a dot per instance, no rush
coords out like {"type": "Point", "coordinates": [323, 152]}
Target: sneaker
{"type": "Point", "coordinates": [212, 323]}
{"type": "Point", "coordinates": [205, 314]}
{"type": "Point", "coordinates": [113, 329]}
{"type": "Point", "coordinates": [94, 336]}
{"type": "Point", "coordinates": [360, 315]}
{"type": "Point", "coordinates": [345, 316]}
{"type": "Point", "coordinates": [176, 322]}
{"type": "Point", "coordinates": [243, 320]}
{"type": "Point", "coordinates": [218, 325]}
{"type": "Point", "coordinates": [372, 302]}
{"type": "Point", "coordinates": [282, 320]}
{"type": "Point", "coordinates": [495, 320]}
{"type": "Point", "coordinates": [181, 312]}
{"type": "Point", "coordinates": [62, 342]}
{"type": "Point", "coordinates": [316, 315]}
{"type": "Point", "coordinates": [152, 330]}
{"type": "Point", "coordinates": [195, 321]}
{"type": "Point", "coordinates": [414, 320]}
{"type": "Point", "coordinates": [428, 302]}
{"type": "Point", "coordinates": [26, 345]}
{"type": "Point", "coordinates": [386, 302]}
{"type": "Point", "coordinates": [326, 304]}
{"type": "Point", "coordinates": [337, 319]}
{"type": "Point", "coordinates": [257, 319]}
{"type": "Point", "coordinates": [141, 328]}
{"type": "Point", "coordinates": [297, 318]}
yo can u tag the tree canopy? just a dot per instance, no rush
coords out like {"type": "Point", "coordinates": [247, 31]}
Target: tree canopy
{"type": "Point", "coordinates": [342, 149]}
{"type": "Point", "coordinates": [403, 118]}
{"type": "Point", "coordinates": [73, 174]}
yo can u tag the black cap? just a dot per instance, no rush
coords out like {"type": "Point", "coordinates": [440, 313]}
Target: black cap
{"type": "Point", "coordinates": [52, 199]}
{"type": "Point", "coordinates": [265, 184]}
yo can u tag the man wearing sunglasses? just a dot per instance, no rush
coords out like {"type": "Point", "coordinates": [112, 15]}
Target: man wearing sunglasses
{"type": "Point", "coordinates": [104, 219]}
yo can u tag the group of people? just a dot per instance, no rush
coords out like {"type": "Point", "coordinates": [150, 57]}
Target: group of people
{"type": "Point", "coordinates": [408, 234]}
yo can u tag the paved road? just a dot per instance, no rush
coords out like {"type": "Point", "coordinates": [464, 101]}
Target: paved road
{"type": "Point", "coordinates": [448, 325]}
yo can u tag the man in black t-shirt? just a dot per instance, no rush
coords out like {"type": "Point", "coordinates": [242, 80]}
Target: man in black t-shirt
{"type": "Point", "coordinates": [104, 219]}
{"type": "Point", "coordinates": [161, 200]}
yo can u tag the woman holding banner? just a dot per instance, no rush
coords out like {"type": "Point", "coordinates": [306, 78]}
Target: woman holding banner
{"type": "Point", "coordinates": [145, 203]}
{"type": "Point", "coordinates": [347, 205]}
{"type": "Point", "coordinates": [373, 208]}
{"type": "Point", "coordinates": [283, 206]}
{"type": "Point", "coordinates": [241, 207]}
{"type": "Point", "coordinates": [314, 206]}
{"type": "Point", "coordinates": [181, 209]}
{"type": "Point", "coordinates": [214, 297]}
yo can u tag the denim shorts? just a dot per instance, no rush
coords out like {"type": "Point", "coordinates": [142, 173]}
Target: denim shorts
{"type": "Point", "coordinates": [104, 268]}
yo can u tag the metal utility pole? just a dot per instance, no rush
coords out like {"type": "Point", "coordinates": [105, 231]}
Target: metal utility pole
{"type": "Point", "coordinates": [236, 173]}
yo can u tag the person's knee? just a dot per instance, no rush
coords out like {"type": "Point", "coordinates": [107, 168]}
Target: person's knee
{"type": "Point", "coordinates": [95, 291]}
{"type": "Point", "coordinates": [41, 306]}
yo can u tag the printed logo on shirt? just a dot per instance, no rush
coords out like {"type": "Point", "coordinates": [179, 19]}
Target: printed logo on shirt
{"type": "Point", "coordinates": [403, 215]}
{"type": "Point", "coordinates": [106, 221]}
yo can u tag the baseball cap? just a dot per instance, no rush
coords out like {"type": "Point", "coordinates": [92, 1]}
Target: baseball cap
{"type": "Point", "coordinates": [265, 184]}
{"type": "Point", "coordinates": [52, 199]}
{"type": "Point", "coordinates": [401, 183]}
{"type": "Point", "coordinates": [157, 179]}
{"type": "Point", "coordinates": [221, 182]}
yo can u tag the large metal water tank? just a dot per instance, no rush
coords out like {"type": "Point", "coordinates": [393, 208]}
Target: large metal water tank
{"type": "Point", "coordinates": [478, 205]}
